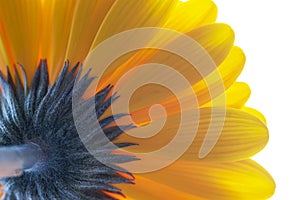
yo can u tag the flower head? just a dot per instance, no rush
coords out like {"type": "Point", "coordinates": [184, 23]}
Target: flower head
{"type": "Point", "coordinates": [88, 133]}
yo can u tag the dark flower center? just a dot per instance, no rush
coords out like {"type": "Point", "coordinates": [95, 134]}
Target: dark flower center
{"type": "Point", "coordinates": [42, 115]}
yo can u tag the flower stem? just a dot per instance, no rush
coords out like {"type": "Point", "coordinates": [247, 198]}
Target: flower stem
{"type": "Point", "coordinates": [15, 159]}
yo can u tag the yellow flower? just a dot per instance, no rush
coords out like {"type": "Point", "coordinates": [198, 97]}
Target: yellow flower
{"type": "Point", "coordinates": [60, 30]}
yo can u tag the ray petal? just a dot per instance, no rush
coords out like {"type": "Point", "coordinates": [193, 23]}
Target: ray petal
{"type": "Point", "coordinates": [239, 180]}
{"type": "Point", "coordinates": [21, 31]}
{"type": "Point", "coordinates": [126, 15]}
{"type": "Point", "coordinates": [196, 13]}
{"type": "Point", "coordinates": [222, 135]}
{"type": "Point", "coordinates": [87, 19]}
{"type": "Point", "coordinates": [206, 89]}
{"type": "Point", "coordinates": [55, 28]}
{"type": "Point", "coordinates": [255, 112]}
{"type": "Point", "coordinates": [236, 95]}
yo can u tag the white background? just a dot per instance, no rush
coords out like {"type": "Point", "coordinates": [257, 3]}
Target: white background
{"type": "Point", "coordinates": [268, 31]}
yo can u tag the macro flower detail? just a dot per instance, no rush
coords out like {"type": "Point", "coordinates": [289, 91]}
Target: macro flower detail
{"type": "Point", "coordinates": [42, 115]}
{"type": "Point", "coordinates": [151, 109]}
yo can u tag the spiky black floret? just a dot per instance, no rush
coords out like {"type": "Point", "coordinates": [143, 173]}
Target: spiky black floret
{"type": "Point", "coordinates": [42, 114]}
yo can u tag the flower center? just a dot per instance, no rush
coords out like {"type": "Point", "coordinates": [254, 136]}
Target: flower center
{"type": "Point", "coordinates": [38, 118]}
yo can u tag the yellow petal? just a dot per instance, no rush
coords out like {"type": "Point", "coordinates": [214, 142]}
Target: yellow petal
{"type": "Point", "coordinates": [146, 96]}
{"type": "Point", "coordinates": [126, 15]}
{"type": "Point", "coordinates": [244, 180]}
{"type": "Point", "coordinates": [87, 19]}
{"type": "Point", "coordinates": [222, 135]}
{"type": "Point", "coordinates": [229, 70]}
{"type": "Point", "coordinates": [217, 39]}
{"type": "Point", "coordinates": [146, 189]}
{"type": "Point", "coordinates": [20, 25]}
{"type": "Point", "coordinates": [5, 56]}
{"type": "Point", "coordinates": [56, 16]}
{"type": "Point", "coordinates": [256, 113]}
{"type": "Point", "coordinates": [236, 96]}
{"type": "Point", "coordinates": [242, 136]}
{"type": "Point", "coordinates": [191, 14]}
{"type": "Point", "coordinates": [39, 30]}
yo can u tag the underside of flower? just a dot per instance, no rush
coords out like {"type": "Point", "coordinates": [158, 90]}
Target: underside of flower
{"type": "Point", "coordinates": [40, 116]}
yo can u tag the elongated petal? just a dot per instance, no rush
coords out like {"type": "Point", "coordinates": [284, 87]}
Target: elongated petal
{"type": "Point", "coordinates": [195, 12]}
{"type": "Point", "coordinates": [217, 39]}
{"type": "Point", "coordinates": [222, 135]}
{"type": "Point", "coordinates": [207, 88]}
{"type": "Point", "coordinates": [210, 87]}
{"type": "Point", "coordinates": [236, 96]}
{"type": "Point", "coordinates": [242, 135]}
{"type": "Point", "coordinates": [4, 58]}
{"type": "Point", "coordinates": [56, 21]}
{"type": "Point", "coordinates": [147, 189]}
{"type": "Point", "coordinates": [229, 70]}
{"type": "Point", "coordinates": [255, 112]}
{"type": "Point", "coordinates": [239, 180]}
{"type": "Point", "coordinates": [20, 30]}
{"type": "Point", "coordinates": [88, 17]}
{"type": "Point", "coordinates": [126, 15]}
{"type": "Point", "coordinates": [146, 96]}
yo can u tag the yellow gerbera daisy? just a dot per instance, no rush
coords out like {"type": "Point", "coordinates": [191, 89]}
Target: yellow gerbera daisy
{"type": "Point", "coordinates": [50, 148]}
